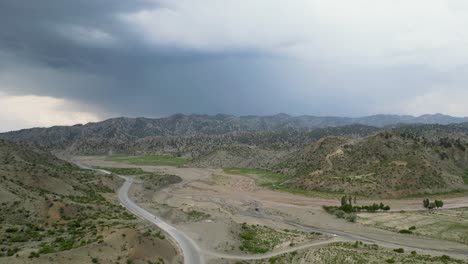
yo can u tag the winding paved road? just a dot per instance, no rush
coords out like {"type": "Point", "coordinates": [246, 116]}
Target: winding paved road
{"type": "Point", "coordinates": [190, 250]}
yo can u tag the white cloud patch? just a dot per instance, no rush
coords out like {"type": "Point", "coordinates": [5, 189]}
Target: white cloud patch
{"type": "Point", "coordinates": [86, 35]}
{"type": "Point", "coordinates": [447, 101]}
{"type": "Point", "coordinates": [18, 112]}
{"type": "Point", "coordinates": [388, 32]}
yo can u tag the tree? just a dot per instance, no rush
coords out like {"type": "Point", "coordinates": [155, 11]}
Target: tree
{"type": "Point", "coordinates": [426, 203]}
{"type": "Point", "coordinates": [439, 203]}
{"type": "Point", "coordinates": [344, 201]}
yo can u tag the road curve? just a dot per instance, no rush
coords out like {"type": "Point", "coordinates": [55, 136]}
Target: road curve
{"type": "Point", "coordinates": [190, 250]}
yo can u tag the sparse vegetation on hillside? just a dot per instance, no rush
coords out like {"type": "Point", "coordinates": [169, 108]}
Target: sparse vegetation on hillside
{"type": "Point", "coordinates": [393, 163]}
{"type": "Point", "coordinates": [49, 206]}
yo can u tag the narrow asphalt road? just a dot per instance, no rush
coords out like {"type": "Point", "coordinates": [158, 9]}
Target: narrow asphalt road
{"type": "Point", "coordinates": [190, 250]}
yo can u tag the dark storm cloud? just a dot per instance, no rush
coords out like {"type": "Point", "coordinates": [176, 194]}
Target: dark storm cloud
{"type": "Point", "coordinates": [125, 75]}
{"type": "Point", "coordinates": [156, 63]}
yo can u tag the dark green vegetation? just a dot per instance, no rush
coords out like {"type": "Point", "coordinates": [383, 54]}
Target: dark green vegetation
{"type": "Point", "coordinates": [348, 211]}
{"type": "Point", "coordinates": [432, 205]}
{"type": "Point", "coordinates": [407, 231]}
{"type": "Point", "coordinates": [50, 205]}
{"type": "Point", "coordinates": [261, 239]}
{"type": "Point", "coordinates": [159, 160]}
{"type": "Point", "coordinates": [251, 241]}
{"type": "Point", "coordinates": [197, 215]}
{"type": "Point", "coordinates": [153, 233]}
{"type": "Point", "coordinates": [465, 177]}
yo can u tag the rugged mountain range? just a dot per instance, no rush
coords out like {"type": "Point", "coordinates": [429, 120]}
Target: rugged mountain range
{"type": "Point", "coordinates": [131, 134]}
{"type": "Point", "coordinates": [328, 153]}
{"type": "Point", "coordinates": [190, 125]}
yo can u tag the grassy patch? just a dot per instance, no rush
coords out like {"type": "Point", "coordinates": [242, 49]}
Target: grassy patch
{"type": "Point", "coordinates": [448, 224]}
{"type": "Point", "coordinates": [160, 160]}
{"type": "Point", "coordinates": [261, 239]}
{"type": "Point", "coordinates": [439, 195]}
{"type": "Point", "coordinates": [275, 181]}
{"type": "Point", "coordinates": [197, 215]}
{"type": "Point", "coordinates": [263, 175]}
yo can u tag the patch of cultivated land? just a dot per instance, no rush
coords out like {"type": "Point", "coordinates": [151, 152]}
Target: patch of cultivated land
{"type": "Point", "coordinates": [158, 160]}
{"type": "Point", "coordinates": [447, 224]}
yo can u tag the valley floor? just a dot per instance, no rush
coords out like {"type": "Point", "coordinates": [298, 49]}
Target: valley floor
{"type": "Point", "coordinates": [226, 213]}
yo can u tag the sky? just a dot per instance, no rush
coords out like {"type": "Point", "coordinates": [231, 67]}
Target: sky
{"type": "Point", "coordinates": [64, 62]}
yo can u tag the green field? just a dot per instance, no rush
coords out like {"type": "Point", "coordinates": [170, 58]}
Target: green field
{"type": "Point", "coordinates": [160, 160]}
{"type": "Point", "coordinates": [262, 176]}
{"type": "Point", "coordinates": [448, 224]}
{"type": "Point", "coordinates": [275, 181]}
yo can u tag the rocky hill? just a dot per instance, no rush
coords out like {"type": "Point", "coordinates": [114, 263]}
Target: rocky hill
{"type": "Point", "coordinates": [54, 212]}
{"type": "Point", "coordinates": [119, 130]}
{"type": "Point", "coordinates": [397, 162]}
{"type": "Point", "coordinates": [43, 198]}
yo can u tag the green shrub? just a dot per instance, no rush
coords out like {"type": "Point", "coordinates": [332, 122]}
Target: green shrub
{"type": "Point", "coordinates": [405, 231]}
{"type": "Point", "coordinates": [339, 213]}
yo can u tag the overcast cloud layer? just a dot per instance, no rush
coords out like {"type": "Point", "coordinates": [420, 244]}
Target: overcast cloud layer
{"type": "Point", "coordinates": [66, 62]}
